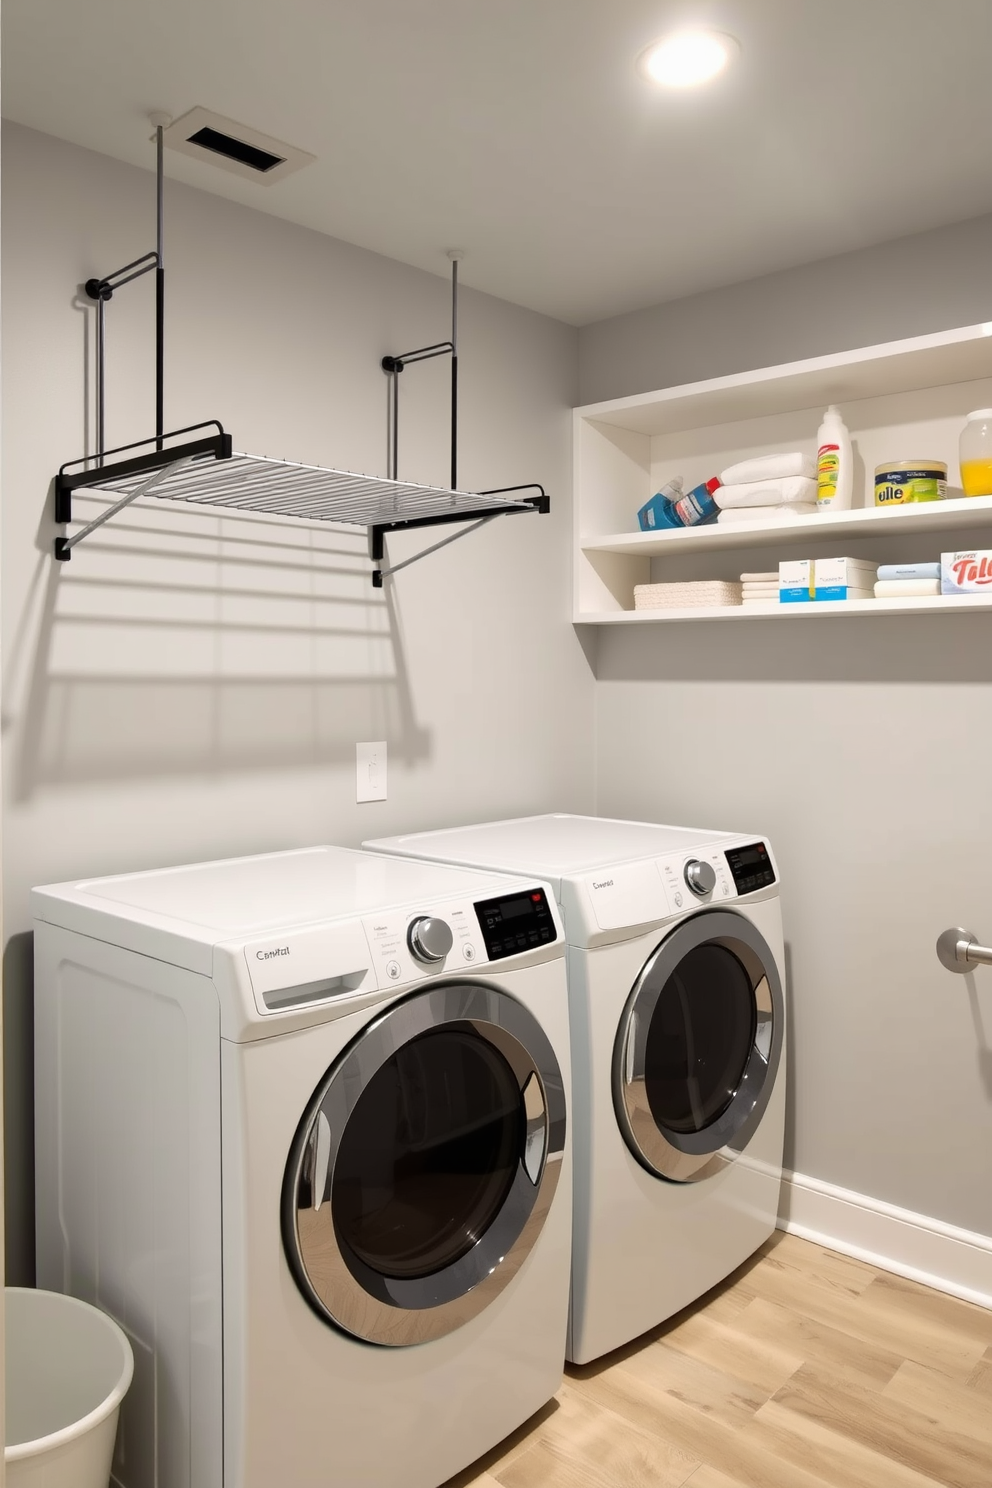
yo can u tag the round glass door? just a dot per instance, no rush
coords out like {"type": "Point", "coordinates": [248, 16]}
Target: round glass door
{"type": "Point", "coordinates": [425, 1165]}
{"type": "Point", "coordinates": [698, 1047]}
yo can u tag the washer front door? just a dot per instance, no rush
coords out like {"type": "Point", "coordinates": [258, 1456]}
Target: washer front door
{"type": "Point", "coordinates": [698, 1047]}
{"type": "Point", "coordinates": [425, 1165]}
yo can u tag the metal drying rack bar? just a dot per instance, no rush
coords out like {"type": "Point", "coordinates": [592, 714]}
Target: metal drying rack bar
{"type": "Point", "coordinates": [206, 472]}
{"type": "Point", "coordinates": [200, 468]}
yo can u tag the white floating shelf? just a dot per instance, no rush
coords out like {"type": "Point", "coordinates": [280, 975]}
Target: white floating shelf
{"type": "Point", "coordinates": [943, 603]}
{"type": "Point", "coordinates": [904, 399]}
{"type": "Point", "coordinates": [961, 355]}
{"type": "Point", "coordinates": [929, 516]}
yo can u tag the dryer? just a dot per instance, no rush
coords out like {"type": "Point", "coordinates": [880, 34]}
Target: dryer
{"type": "Point", "coordinates": [676, 987]}
{"type": "Point", "coordinates": [301, 1129]}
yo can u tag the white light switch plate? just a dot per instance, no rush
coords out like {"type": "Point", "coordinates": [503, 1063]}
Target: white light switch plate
{"type": "Point", "coordinates": [370, 771]}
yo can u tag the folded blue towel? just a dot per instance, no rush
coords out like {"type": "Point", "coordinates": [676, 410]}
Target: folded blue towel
{"type": "Point", "coordinates": [909, 571]}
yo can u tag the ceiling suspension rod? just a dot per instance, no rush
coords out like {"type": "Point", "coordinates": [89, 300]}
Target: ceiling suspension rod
{"type": "Point", "coordinates": [102, 290]}
{"type": "Point", "coordinates": [393, 366]}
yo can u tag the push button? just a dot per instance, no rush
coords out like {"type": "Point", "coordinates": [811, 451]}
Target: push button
{"type": "Point", "coordinates": [393, 970]}
{"type": "Point", "coordinates": [468, 952]}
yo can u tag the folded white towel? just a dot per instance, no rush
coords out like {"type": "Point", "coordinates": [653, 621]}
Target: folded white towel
{"type": "Point", "coordinates": [773, 515]}
{"type": "Point", "coordinates": [760, 591]}
{"type": "Point", "coordinates": [769, 467]}
{"type": "Point", "coordinates": [761, 578]}
{"type": "Point", "coordinates": [906, 588]}
{"type": "Point", "coordinates": [693, 594]}
{"type": "Point", "coordinates": [785, 492]}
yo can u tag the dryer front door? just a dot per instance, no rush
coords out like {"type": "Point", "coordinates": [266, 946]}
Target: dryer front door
{"type": "Point", "coordinates": [698, 1047]}
{"type": "Point", "coordinates": [425, 1165]}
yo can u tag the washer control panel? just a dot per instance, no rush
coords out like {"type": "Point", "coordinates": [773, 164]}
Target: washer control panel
{"type": "Point", "coordinates": [700, 879]}
{"type": "Point", "coordinates": [409, 944]}
{"type": "Point", "coordinates": [517, 922]}
{"type": "Point", "coordinates": [751, 866]}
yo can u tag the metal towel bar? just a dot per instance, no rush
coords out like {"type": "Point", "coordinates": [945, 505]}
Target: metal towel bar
{"type": "Point", "coordinates": [958, 950]}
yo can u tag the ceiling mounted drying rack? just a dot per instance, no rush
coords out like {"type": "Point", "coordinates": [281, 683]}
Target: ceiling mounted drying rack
{"type": "Point", "coordinates": [199, 467]}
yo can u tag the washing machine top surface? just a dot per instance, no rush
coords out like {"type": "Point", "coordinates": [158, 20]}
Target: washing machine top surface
{"type": "Point", "coordinates": [271, 891]}
{"type": "Point", "coordinates": [611, 878]}
{"type": "Point", "coordinates": [286, 933]}
{"type": "Point", "coordinates": [554, 846]}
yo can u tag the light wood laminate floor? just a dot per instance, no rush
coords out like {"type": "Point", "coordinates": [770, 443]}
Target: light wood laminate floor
{"type": "Point", "coordinates": [805, 1369]}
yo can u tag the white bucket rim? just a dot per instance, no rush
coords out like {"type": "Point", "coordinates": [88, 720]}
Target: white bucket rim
{"type": "Point", "coordinates": [22, 1450]}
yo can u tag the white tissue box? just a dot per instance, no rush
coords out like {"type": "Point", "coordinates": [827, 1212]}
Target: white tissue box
{"type": "Point", "coordinates": [795, 581]}
{"type": "Point", "coordinates": [838, 578]}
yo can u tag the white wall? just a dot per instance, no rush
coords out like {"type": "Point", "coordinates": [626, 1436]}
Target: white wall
{"type": "Point", "coordinates": [192, 686]}
{"type": "Point", "coordinates": [929, 282]}
{"type": "Point", "coordinates": [861, 747]}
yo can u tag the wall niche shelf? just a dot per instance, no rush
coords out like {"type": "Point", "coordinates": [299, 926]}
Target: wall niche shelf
{"type": "Point", "coordinates": [905, 398]}
{"type": "Point", "coordinates": [198, 466]}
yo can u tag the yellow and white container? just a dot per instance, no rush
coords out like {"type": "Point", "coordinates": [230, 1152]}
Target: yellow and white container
{"type": "Point", "coordinates": [902, 482]}
{"type": "Point", "coordinates": [975, 453]}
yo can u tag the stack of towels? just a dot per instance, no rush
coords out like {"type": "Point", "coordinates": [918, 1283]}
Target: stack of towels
{"type": "Point", "coordinates": [907, 580]}
{"type": "Point", "coordinates": [769, 488]}
{"type": "Point", "coordinates": [693, 595]}
{"type": "Point", "coordinates": [759, 588]}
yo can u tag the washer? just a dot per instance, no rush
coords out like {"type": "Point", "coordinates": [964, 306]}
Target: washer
{"type": "Point", "coordinates": [301, 1129]}
{"type": "Point", "coordinates": [676, 976]}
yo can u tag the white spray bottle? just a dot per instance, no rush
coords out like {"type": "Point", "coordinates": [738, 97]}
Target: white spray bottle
{"type": "Point", "coordinates": [834, 463]}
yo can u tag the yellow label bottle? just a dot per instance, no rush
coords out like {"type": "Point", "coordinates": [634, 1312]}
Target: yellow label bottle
{"type": "Point", "coordinates": [834, 471]}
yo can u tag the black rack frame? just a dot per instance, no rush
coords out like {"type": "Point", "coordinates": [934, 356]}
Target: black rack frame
{"type": "Point", "coordinates": [165, 458]}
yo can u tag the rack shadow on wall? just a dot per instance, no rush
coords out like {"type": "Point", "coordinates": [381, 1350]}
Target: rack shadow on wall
{"type": "Point", "coordinates": [212, 644]}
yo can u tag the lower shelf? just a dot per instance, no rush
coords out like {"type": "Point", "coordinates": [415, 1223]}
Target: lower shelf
{"type": "Point", "coordinates": [945, 604]}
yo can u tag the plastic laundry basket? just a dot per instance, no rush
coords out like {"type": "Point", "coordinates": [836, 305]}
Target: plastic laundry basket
{"type": "Point", "coordinates": [68, 1367]}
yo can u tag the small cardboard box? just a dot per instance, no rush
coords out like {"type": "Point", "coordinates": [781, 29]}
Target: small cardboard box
{"type": "Point", "coordinates": [795, 581]}
{"type": "Point", "coordinates": [966, 572]}
{"type": "Point", "coordinates": [843, 578]}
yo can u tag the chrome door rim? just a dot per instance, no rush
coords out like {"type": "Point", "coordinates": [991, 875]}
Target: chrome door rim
{"type": "Point", "coordinates": [390, 1310]}
{"type": "Point", "coordinates": [689, 1157]}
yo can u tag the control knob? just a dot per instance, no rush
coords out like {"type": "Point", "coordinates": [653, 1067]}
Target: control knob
{"type": "Point", "coordinates": [429, 939]}
{"type": "Point", "coordinates": [700, 877]}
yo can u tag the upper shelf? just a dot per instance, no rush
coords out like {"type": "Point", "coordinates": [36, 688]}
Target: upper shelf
{"type": "Point", "coordinates": [928, 516]}
{"type": "Point", "coordinates": [946, 357]}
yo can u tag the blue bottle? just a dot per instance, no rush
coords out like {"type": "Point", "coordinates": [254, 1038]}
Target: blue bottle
{"type": "Point", "coordinates": [671, 507]}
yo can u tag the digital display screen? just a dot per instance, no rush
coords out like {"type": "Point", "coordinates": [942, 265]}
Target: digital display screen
{"type": "Point", "coordinates": [521, 922]}
{"type": "Point", "coordinates": [751, 867]}
{"type": "Point", "coordinates": [514, 907]}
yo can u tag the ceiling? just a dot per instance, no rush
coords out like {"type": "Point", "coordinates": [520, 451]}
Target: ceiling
{"type": "Point", "coordinates": [519, 131]}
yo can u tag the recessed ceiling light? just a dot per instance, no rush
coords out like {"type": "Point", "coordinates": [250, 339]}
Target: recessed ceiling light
{"type": "Point", "coordinates": [687, 58]}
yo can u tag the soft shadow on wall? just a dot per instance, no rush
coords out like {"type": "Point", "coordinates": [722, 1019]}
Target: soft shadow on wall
{"type": "Point", "coordinates": [177, 641]}
{"type": "Point", "coordinates": [180, 641]}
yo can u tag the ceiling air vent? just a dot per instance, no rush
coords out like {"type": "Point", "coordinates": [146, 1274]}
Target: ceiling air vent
{"type": "Point", "coordinates": [234, 147]}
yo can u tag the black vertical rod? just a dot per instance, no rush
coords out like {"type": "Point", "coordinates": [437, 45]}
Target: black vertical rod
{"type": "Point", "coordinates": [395, 450]}
{"type": "Point", "coordinates": [101, 364]}
{"type": "Point", "coordinates": [454, 373]}
{"type": "Point", "coordinates": [159, 293]}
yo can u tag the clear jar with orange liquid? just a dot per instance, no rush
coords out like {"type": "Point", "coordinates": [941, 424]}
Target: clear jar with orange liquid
{"type": "Point", "coordinates": [975, 453]}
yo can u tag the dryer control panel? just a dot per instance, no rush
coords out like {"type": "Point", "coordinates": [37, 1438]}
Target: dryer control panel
{"type": "Point", "coordinates": [515, 923]}
{"type": "Point", "coordinates": [751, 866]}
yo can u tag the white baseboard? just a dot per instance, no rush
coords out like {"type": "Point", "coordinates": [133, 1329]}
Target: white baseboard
{"type": "Point", "coordinates": [911, 1245]}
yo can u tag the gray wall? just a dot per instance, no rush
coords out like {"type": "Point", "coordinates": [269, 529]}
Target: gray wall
{"type": "Point", "coordinates": [190, 686]}
{"type": "Point", "coordinates": [930, 282]}
{"type": "Point", "coordinates": [861, 747]}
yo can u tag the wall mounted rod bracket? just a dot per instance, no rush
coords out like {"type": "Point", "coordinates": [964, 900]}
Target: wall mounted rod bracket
{"type": "Point", "coordinates": [958, 950]}
{"type": "Point", "coordinates": [65, 545]}
{"type": "Point", "coordinates": [377, 533]}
